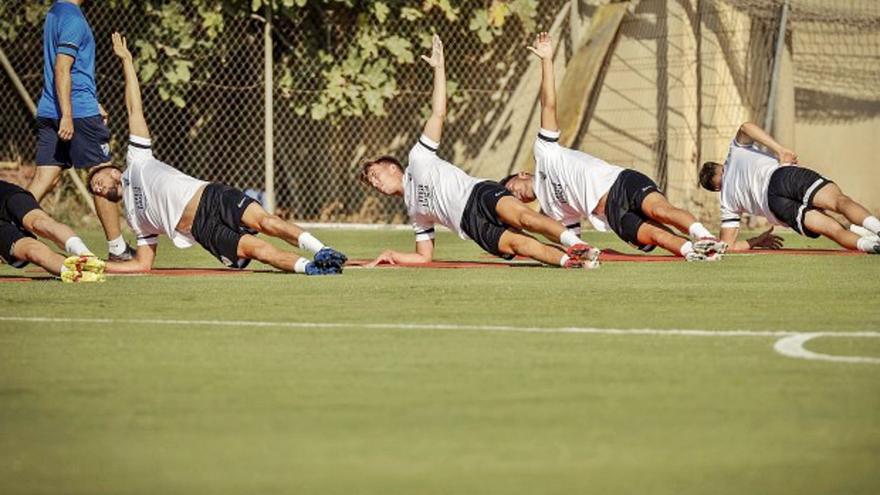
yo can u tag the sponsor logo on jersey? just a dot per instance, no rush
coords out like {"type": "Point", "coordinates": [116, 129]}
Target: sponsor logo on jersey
{"type": "Point", "coordinates": [140, 202]}
{"type": "Point", "coordinates": [424, 195]}
{"type": "Point", "coordinates": [559, 192]}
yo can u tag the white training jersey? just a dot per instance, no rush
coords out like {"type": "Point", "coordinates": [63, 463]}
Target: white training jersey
{"type": "Point", "coordinates": [155, 195]}
{"type": "Point", "coordinates": [744, 184]}
{"type": "Point", "coordinates": [435, 191]}
{"type": "Point", "coordinates": [569, 183]}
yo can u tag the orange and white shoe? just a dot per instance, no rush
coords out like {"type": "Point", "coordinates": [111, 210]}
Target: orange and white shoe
{"type": "Point", "coordinates": [588, 255]}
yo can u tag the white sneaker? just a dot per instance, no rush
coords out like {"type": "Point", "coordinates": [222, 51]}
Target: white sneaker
{"type": "Point", "coordinates": [710, 246]}
{"type": "Point", "coordinates": [695, 256]}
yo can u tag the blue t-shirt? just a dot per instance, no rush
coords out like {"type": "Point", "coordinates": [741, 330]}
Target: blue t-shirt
{"type": "Point", "coordinates": [67, 31]}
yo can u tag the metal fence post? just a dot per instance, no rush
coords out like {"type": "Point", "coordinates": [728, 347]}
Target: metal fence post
{"type": "Point", "coordinates": [774, 75]}
{"type": "Point", "coordinates": [269, 194]}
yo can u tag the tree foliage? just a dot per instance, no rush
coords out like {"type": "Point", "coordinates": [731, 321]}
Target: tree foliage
{"type": "Point", "coordinates": [351, 50]}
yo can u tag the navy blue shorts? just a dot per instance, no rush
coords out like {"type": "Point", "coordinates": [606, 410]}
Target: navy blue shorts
{"type": "Point", "coordinates": [15, 203]}
{"type": "Point", "coordinates": [90, 145]}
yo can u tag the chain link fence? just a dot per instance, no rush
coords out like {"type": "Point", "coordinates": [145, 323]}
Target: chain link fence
{"type": "Point", "coordinates": [682, 77]}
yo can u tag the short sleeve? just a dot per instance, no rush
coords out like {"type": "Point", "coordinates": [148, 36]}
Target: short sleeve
{"type": "Point", "coordinates": [423, 228]}
{"type": "Point", "coordinates": [573, 224]}
{"type": "Point", "coordinates": [423, 147]}
{"type": "Point", "coordinates": [547, 144]}
{"type": "Point", "coordinates": [71, 35]}
{"type": "Point", "coordinates": [729, 218]}
{"type": "Point", "coordinates": [139, 148]}
{"type": "Point", "coordinates": [147, 239]}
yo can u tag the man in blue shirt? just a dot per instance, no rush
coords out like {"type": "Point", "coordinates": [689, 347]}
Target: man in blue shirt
{"type": "Point", "coordinates": [71, 124]}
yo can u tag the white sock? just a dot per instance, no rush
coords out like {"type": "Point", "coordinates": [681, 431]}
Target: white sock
{"type": "Point", "coordinates": [300, 265]}
{"type": "Point", "coordinates": [116, 246]}
{"type": "Point", "coordinates": [687, 248]}
{"type": "Point", "coordinates": [569, 239]}
{"type": "Point", "coordinates": [868, 245]}
{"type": "Point", "coordinates": [76, 246]}
{"type": "Point", "coordinates": [872, 224]}
{"type": "Point", "coordinates": [697, 231]}
{"type": "Point", "coordinates": [309, 242]}
{"type": "Point", "coordinates": [564, 260]}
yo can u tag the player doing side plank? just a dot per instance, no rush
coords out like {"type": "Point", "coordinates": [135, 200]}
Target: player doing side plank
{"type": "Point", "coordinates": [771, 184]}
{"type": "Point", "coordinates": [571, 185]}
{"type": "Point", "coordinates": [435, 191]}
{"type": "Point", "coordinates": [159, 199]}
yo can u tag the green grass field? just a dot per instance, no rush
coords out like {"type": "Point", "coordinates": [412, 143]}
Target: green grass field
{"type": "Point", "coordinates": [131, 406]}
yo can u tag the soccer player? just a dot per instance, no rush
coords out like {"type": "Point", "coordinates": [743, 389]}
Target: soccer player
{"type": "Point", "coordinates": [71, 124]}
{"type": "Point", "coordinates": [435, 191]}
{"type": "Point", "coordinates": [159, 199]}
{"type": "Point", "coordinates": [571, 185]}
{"type": "Point", "coordinates": [21, 218]}
{"type": "Point", "coordinates": [772, 185]}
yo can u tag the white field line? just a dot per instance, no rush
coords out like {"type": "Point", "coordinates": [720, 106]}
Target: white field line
{"type": "Point", "coordinates": [789, 343]}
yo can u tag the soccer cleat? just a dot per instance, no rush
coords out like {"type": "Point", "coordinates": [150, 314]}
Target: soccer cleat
{"type": "Point", "coordinates": [710, 246]}
{"type": "Point", "coordinates": [313, 268]}
{"type": "Point", "coordinates": [85, 263]}
{"type": "Point", "coordinates": [126, 255]}
{"type": "Point", "coordinates": [695, 256]}
{"type": "Point", "coordinates": [586, 254]}
{"type": "Point", "coordinates": [328, 257]}
{"type": "Point", "coordinates": [76, 277]}
{"type": "Point", "coordinates": [572, 262]}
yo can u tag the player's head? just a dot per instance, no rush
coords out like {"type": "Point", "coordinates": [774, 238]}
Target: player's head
{"type": "Point", "coordinates": [384, 174]}
{"type": "Point", "coordinates": [710, 176]}
{"type": "Point", "coordinates": [521, 185]}
{"type": "Point", "coordinates": [106, 181]}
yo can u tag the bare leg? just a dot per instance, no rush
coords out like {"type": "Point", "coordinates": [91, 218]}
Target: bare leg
{"type": "Point", "coordinates": [251, 247]}
{"type": "Point", "coordinates": [521, 217]}
{"type": "Point", "coordinates": [39, 222]}
{"type": "Point", "coordinates": [44, 180]}
{"type": "Point", "coordinates": [39, 254]}
{"type": "Point", "coordinates": [821, 223]}
{"type": "Point", "coordinates": [830, 197]}
{"type": "Point", "coordinates": [660, 235]}
{"type": "Point", "coordinates": [256, 218]}
{"type": "Point", "coordinates": [656, 207]}
{"type": "Point", "coordinates": [108, 214]}
{"type": "Point", "coordinates": [520, 244]}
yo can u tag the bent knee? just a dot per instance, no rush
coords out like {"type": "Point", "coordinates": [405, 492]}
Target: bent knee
{"type": "Point", "coordinates": [37, 220]}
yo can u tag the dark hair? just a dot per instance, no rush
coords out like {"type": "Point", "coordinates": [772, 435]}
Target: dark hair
{"type": "Point", "coordinates": [507, 179]}
{"type": "Point", "coordinates": [94, 171]}
{"type": "Point", "coordinates": [365, 167]}
{"type": "Point", "coordinates": [707, 173]}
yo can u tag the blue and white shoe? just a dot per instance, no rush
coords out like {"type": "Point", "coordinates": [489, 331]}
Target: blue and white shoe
{"type": "Point", "coordinates": [328, 257]}
{"type": "Point", "coordinates": [314, 268]}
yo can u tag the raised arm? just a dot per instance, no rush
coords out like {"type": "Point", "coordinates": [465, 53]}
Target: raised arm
{"type": "Point", "coordinates": [543, 48]}
{"type": "Point", "coordinates": [750, 133]}
{"type": "Point", "coordinates": [434, 126]}
{"type": "Point", "coordinates": [137, 124]}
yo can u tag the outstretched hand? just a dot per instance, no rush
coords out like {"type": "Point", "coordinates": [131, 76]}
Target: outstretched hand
{"type": "Point", "coordinates": [386, 258]}
{"type": "Point", "coordinates": [543, 46]}
{"type": "Point", "coordinates": [436, 58]}
{"type": "Point", "coordinates": [767, 240]}
{"type": "Point", "coordinates": [120, 47]}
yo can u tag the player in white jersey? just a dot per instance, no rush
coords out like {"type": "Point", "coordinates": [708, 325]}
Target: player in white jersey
{"type": "Point", "coordinates": [773, 186]}
{"type": "Point", "coordinates": [571, 185]}
{"type": "Point", "coordinates": [162, 200]}
{"type": "Point", "coordinates": [435, 191]}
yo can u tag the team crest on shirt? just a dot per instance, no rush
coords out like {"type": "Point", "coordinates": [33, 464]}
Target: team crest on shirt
{"type": "Point", "coordinates": [105, 147]}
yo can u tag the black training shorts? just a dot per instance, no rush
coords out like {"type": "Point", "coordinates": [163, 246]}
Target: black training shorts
{"type": "Point", "coordinates": [217, 226]}
{"type": "Point", "coordinates": [15, 203]}
{"type": "Point", "coordinates": [790, 196]}
{"type": "Point", "coordinates": [623, 207]}
{"type": "Point", "coordinates": [480, 220]}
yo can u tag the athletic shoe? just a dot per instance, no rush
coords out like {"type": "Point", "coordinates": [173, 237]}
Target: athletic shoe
{"type": "Point", "coordinates": [85, 263]}
{"type": "Point", "coordinates": [328, 257]}
{"type": "Point", "coordinates": [573, 262]}
{"type": "Point", "coordinates": [709, 246]}
{"type": "Point", "coordinates": [78, 277]}
{"type": "Point", "coordinates": [316, 269]}
{"type": "Point", "coordinates": [695, 256]}
{"type": "Point", "coordinates": [586, 254]}
{"type": "Point", "coordinates": [126, 255]}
